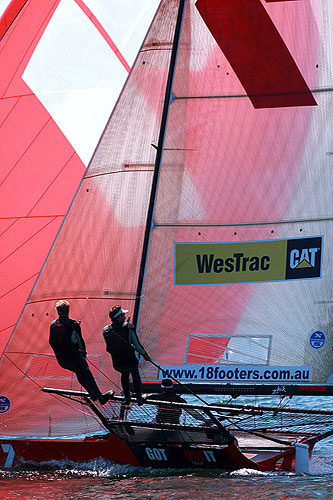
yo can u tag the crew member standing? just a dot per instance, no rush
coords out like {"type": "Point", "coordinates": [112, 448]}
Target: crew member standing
{"type": "Point", "coordinates": [69, 347]}
{"type": "Point", "coordinates": [122, 342]}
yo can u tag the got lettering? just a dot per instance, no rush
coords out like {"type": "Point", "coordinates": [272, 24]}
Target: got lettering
{"type": "Point", "coordinates": [156, 454]}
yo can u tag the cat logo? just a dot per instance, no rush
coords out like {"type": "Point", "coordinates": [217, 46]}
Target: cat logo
{"type": "Point", "coordinates": [303, 258]}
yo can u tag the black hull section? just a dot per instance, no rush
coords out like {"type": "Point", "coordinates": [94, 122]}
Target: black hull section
{"type": "Point", "coordinates": [235, 390]}
{"type": "Point", "coordinates": [185, 456]}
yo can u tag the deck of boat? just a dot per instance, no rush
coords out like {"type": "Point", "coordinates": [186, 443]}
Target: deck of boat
{"type": "Point", "coordinates": [268, 440]}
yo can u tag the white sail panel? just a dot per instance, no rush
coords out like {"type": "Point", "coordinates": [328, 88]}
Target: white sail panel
{"type": "Point", "coordinates": [3, 6]}
{"type": "Point", "coordinates": [78, 89]}
{"type": "Point", "coordinates": [131, 24]}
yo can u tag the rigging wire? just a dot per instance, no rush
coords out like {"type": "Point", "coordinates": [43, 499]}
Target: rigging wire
{"type": "Point", "coordinates": [41, 388]}
{"type": "Point", "coordinates": [213, 417]}
{"type": "Point", "coordinates": [102, 373]}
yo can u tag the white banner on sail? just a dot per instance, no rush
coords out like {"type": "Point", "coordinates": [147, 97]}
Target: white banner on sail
{"type": "Point", "coordinates": [222, 373]}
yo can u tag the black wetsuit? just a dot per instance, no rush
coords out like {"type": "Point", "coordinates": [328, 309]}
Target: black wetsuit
{"type": "Point", "coordinates": [69, 347]}
{"type": "Point", "coordinates": [165, 414]}
{"type": "Point", "coordinates": [119, 339]}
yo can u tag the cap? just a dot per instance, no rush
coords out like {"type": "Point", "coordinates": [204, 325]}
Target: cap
{"type": "Point", "coordinates": [166, 383]}
{"type": "Point", "coordinates": [117, 311]}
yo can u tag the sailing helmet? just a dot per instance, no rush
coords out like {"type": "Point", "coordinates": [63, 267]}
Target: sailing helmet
{"type": "Point", "coordinates": [167, 384]}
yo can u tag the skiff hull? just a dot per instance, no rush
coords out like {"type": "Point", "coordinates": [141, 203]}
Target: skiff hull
{"type": "Point", "coordinates": [19, 452]}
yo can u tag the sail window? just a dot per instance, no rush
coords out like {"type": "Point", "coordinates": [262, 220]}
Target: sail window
{"type": "Point", "coordinates": [222, 348]}
{"type": "Point", "coordinates": [46, 366]}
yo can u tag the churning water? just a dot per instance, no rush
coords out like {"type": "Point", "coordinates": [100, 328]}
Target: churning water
{"type": "Point", "coordinates": [100, 480]}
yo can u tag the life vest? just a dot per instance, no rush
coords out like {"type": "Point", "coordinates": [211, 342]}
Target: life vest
{"type": "Point", "coordinates": [117, 344]}
{"type": "Point", "coordinates": [64, 344]}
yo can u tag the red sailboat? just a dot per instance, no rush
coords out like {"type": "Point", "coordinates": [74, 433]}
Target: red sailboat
{"type": "Point", "coordinates": [205, 211]}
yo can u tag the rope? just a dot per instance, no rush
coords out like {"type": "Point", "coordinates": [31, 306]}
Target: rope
{"type": "Point", "coordinates": [104, 375]}
{"type": "Point", "coordinates": [41, 388]}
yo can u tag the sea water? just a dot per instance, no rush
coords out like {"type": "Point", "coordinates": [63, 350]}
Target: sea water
{"type": "Point", "coordinates": [103, 480]}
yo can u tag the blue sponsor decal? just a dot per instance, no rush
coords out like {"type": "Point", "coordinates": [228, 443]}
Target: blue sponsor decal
{"type": "Point", "coordinates": [317, 339]}
{"type": "Point", "coordinates": [4, 404]}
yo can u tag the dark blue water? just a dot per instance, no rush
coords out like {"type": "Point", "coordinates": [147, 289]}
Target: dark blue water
{"type": "Point", "coordinates": [101, 480]}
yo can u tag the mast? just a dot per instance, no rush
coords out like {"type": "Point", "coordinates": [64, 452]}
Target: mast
{"type": "Point", "coordinates": [158, 161]}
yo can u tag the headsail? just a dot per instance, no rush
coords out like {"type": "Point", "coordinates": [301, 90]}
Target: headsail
{"type": "Point", "coordinates": [63, 64]}
{"type": "Point", "coordinates": [109, 212]}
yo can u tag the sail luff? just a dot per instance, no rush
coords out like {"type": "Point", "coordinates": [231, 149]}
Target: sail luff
{"type": "Point", "coordinates": [161, 139]}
